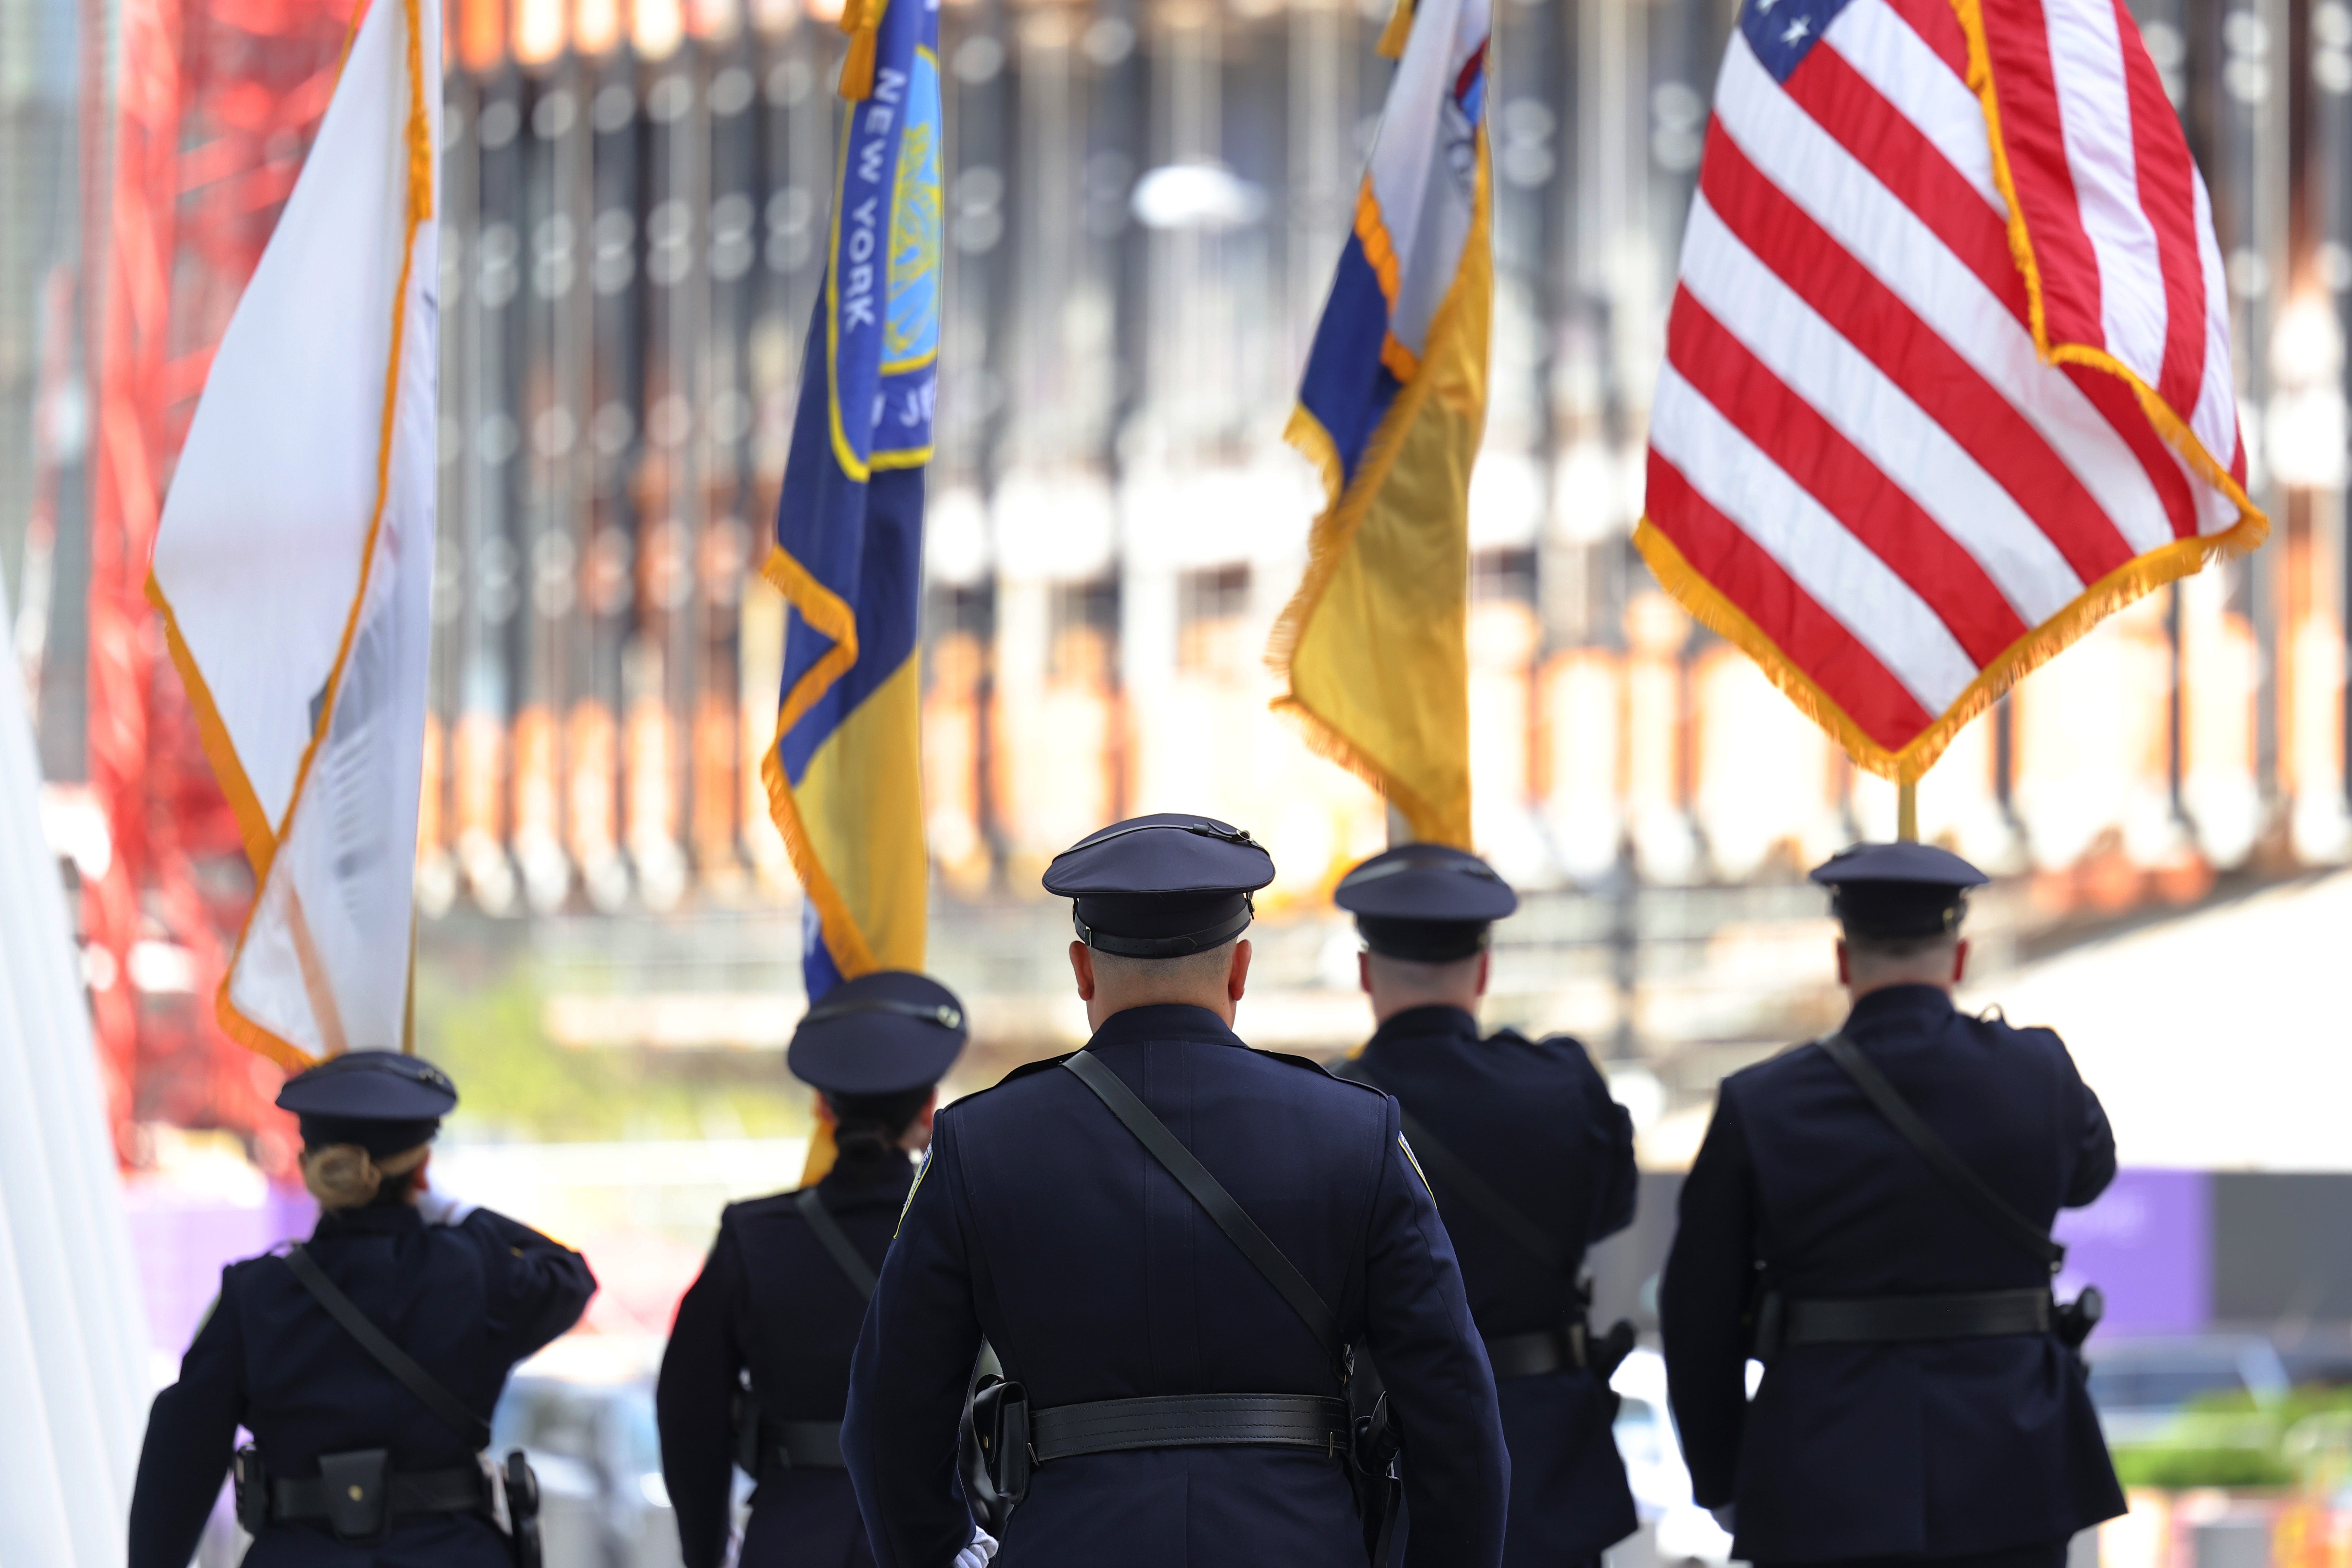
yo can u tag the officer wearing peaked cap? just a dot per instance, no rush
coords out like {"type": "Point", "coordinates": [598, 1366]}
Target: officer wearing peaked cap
{"type": "Point", "coordinates": [355, 1462]}
{"type": "Point", "coordinates": [1869, 1215]}
{"type": "Point", "coordinates": [757, 1370]}
{"type": "Point", "coordinates": [1532, 1162]}
{"type": "Point", "coordinates": [1171, 1240]}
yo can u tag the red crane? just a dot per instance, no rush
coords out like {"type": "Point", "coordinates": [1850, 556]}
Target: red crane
{"type": "Point", "coordinates": [216, 104]}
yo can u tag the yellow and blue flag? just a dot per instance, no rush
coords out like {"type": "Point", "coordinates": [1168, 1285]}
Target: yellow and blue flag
{"type": "Point", "coordinates": [844, 773]}
{"type": "Point", "coordinates": [1392, 405]}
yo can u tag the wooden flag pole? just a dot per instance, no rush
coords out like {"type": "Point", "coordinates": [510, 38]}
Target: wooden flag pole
{"type": "Point", "coordinates": [1906, 813]}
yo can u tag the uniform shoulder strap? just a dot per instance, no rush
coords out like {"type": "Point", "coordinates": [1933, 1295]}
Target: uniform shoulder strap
{"type": "Point", "coordinates": [1210, 1193]}
{"type": "Point", "coordinates": [1473, 1188]}
{"type": "Point", "coordinates": [835, 1242]}
{"type": "Point", "coordinates": [429, 1390]}
{"type": "Point", "coordinates": [1320, 1070]}
{"type": "Point", "coordinates": [1027, 1069]}
{"type": "Point", "coordinates": [1996, 1210]}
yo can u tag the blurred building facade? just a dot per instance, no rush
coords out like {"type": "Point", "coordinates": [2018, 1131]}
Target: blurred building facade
{"type": "Point", "coordinates": [1146, 201]}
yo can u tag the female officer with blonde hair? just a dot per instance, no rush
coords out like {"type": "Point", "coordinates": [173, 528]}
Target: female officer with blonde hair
{"type": "Point", "coordinates": [365, 1362]}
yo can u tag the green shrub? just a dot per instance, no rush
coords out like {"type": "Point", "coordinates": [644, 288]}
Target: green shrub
{"type": "Point", "coordinates": [2230, 1439]}
{"type": "Point", "coordinates": [2180, 1468]}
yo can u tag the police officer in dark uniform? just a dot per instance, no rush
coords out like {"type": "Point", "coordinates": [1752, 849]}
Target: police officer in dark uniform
{"type": "Point", "coordinates": [757, 1370]}
{"type": "Point", "coordinates": [1168, 1238]}
{"type": "Point", "coordinates": [1922, 1401]}
{"type": "Point", "coordinates": [1531, 1161]}
{"type": "Point", "coordinates": [355, 1465]}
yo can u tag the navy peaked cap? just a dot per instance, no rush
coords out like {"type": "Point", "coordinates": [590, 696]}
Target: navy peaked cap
{"type": "Point", "coordinates": [1898, 890]}
{"type": "Point", "coordinates": [371, 1086]}
{"type": "Point", "coordinates": [1426, 881]}
{"type": "Point", "coordinates": [1160, 886]}
{"type": "Point", "coordinates": [879, 1034]}
{"type": "Point", "coordinates": [1431, 904]}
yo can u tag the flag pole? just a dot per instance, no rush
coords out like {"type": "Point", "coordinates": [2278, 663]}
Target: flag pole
{"type": "Point", "coordinates": [1906, 813]}
{"type": "Point", "coordinates": [1399, 830]}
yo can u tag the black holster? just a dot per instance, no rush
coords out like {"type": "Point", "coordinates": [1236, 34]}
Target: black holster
{"type": "Point", "coordinates": [252, 1491]}
{"type": "Point", "coordinates": [1767, 1320]}
{"type": "Point", "coordinates": [2074, 1320]}
{"type": "Point", "coordinates": [1608, 1353]}
{"type": "Point", "coordinates": [745, 1417]}
{"type": "Point", "coordinates": [1000, 1425]}
{"type": "Point", "coordinates": [1373, 1449]}
{"type": "Point", "coordinates": [522, 1510]}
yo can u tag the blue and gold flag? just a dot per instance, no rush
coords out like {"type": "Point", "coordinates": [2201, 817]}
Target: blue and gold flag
{"type": "Point", "coordinates": [843, 774]}
{"type": "Point", "coordinates": [1373, 646]}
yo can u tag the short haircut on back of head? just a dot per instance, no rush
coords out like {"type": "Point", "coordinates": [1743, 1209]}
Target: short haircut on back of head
{"type": "Point", "coordinates": [1192, 972]}
{"type": "Point", "coordinates": [1897, 949]}
{"type": "Point", "coordinates": [1421, 975]}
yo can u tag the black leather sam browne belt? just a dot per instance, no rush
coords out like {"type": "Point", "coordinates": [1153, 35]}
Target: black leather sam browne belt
{"type": "Point", "coordinates": [1012, 1437]}
{"type": "Point", "coordinates": [1780, 1322]}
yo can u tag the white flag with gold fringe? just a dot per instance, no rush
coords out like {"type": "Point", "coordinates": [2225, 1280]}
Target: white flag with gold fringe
{"type": "Point", "coordinates": [294, 561]}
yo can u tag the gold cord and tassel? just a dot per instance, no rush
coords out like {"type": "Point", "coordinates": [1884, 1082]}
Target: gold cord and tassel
{"type": "Point", "coordinates": [861, 19]}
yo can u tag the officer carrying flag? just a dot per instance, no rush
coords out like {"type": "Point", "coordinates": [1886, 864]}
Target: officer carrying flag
{"type": "Point", "coordinates": [365, 1361]}
{"type": "Point", "coordinates": [757, 1370]}
{"type": "Point", "coordinates": [1172, 1241]}
{"type": "Point", "coordinates": [1531, 1163]}
{"type": "Point", "coordinates": [844, 772]}
{"type": "Point", "coordinates": [1946, 382]}
{"type": "Point", "coordinates": [1869, 1215]}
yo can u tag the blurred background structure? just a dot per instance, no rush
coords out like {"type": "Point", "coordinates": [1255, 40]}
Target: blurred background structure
{"type": "Point", "coordinates": [1146, 205]}
{"type": "Point", "coordinates": [1147, 198]}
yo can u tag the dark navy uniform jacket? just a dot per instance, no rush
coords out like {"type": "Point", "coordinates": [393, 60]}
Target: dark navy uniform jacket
{"type": "Point", "coordinates": [1534, 1118]}
{"type": "Point", "coordinates": [773, 1303]}
{"type": "Point", "coordinates": [1039, 1221]}
{"type": "Point", "coordinates": [467, 1301]}
{"type": "Point", "coordinates": [1934, 1448]}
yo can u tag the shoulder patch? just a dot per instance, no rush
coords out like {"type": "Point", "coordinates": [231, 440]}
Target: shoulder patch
{"type": "Point", "coordinates": [1414, 1161]}
{"type": "Point", "coordinates": [922, 1169]}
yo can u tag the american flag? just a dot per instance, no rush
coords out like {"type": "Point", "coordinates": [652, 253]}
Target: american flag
{"type": "Point", "coordinates": [1947, 370]}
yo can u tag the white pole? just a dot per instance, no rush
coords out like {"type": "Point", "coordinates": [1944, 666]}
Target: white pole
{"type": "Point", "coordinates": [73, 1339]}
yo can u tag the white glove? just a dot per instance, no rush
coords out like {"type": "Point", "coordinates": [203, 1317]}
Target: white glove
{"type": "Point", "coordinates": [1728, 1518]}
{"type": "Point", "coordinates": [976, 1554]}
{"type": "Point", "coordinates": [443, 1208]}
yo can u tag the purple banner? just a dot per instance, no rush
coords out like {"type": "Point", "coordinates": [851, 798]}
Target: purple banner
{"type": "Point", "coordinates": [2148, 1244]}
{"type": "Point", "coordinates": [183, 1239]}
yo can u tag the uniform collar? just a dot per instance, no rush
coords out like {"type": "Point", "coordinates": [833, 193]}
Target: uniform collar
{"type": "Point", "coordinates": [369, 1219]}
{"type": "Point", "coordinates": [1437, 1018]}
{"type": "Point", "coordinates": [1164, 1021]}
{"type": "Point", "coordinates": [1907, 1002]}
{"type": "Point", "coordinates": [868, 1178]}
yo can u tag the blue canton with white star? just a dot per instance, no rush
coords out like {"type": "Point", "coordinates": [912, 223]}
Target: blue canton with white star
{"type": "Point", "coordinates": [1783, 32]}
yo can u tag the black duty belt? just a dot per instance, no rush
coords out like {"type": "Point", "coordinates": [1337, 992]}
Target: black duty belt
{"type": "Point", "coordinates": [1536, 1354]}
{"type": "Point", "coordinates": [1190, 1421]}
{"type": "Point", "coordinates": [801, 1446]}
{"type": "Point", "coordinates": [460, 1489]}
{"type": "Point", "coordinates": [1886, 1320]}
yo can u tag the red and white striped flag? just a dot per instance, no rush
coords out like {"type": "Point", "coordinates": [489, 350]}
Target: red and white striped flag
{"type": "Point", "coordinates": [1947, 372]}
